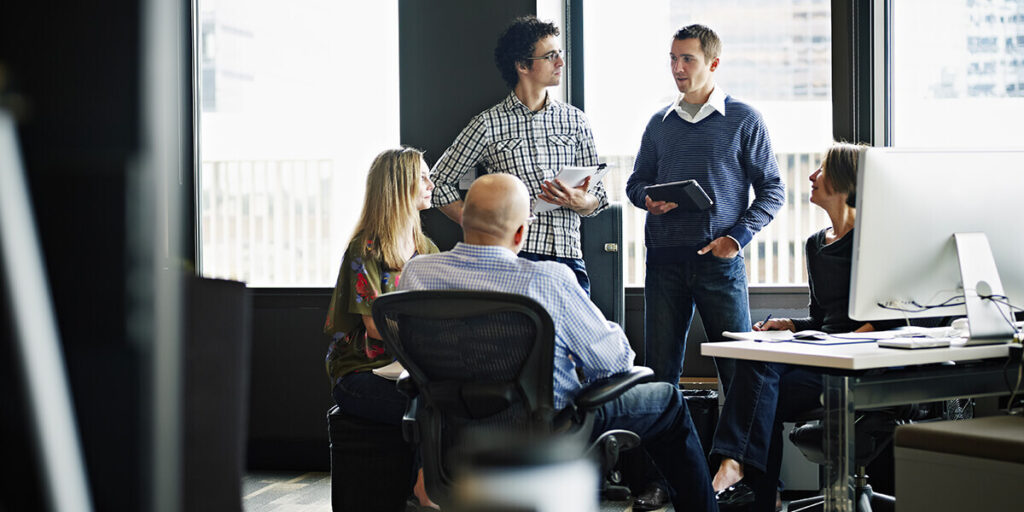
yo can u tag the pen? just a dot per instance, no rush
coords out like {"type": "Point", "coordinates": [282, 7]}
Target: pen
{"type": "Point", "coordinates": [769, 317]}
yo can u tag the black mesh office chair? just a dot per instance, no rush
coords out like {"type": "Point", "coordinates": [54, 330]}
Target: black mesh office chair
{"type": "Point", "coordinates": [873, 431]}
{"type": "Point", "coordinates": [482, 360]}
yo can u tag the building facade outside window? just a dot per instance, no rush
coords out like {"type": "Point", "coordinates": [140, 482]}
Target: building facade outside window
{"type": "Point", "coordinates": [295, 101]}
{"type": "Point", "coordinates": [293, 107]}
{"type": "Point", "coordinates": [776, 56]}
{"type": "Point", "coordinates": [958, 74]}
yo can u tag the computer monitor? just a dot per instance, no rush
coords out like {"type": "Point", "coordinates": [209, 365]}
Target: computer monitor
{"type": "Point", "coordinates": [906, 259]}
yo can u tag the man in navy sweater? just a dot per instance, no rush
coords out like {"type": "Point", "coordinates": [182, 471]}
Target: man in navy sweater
{"type": "Point", "coordinates": [694, 257]}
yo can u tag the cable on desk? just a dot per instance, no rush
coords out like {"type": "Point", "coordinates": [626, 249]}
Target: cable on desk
{"type": "Point", "coordinates": [1004, 300]}
{"type": "Point", "coordinates": [1015, 388]}
{"type": "Point", "coordinates": [960, 301]}
{"type": "Point", "coordinates": [1001, 299]}
{"type": "Point", "coordinates": [917, 308]}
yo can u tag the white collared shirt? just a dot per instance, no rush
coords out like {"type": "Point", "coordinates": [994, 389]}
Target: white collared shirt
{"type": "Point", "coordinates": [716, 101]}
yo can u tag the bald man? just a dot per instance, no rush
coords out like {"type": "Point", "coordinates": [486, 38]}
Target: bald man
{"type": "Point", "coordinates": [495, 221]}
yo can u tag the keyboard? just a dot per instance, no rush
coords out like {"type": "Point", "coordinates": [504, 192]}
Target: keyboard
{"type": "Point", "coordinates": [916, 343]}
{"type": "Point", "coordinates": [926, 332]}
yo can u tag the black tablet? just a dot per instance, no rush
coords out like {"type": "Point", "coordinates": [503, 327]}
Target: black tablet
{"type": "Point", "coordinates": [687, 194]}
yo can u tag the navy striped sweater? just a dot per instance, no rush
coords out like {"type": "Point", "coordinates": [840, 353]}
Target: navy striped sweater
{"type": "Point", "coordinates": [727, 155]}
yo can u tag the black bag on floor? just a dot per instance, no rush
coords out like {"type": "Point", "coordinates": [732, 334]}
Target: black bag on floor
{"type": "Point", "coordinates": [372, 467]}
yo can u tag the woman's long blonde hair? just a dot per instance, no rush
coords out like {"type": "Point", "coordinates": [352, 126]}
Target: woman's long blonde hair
{"type": "Point", "coordinates": [389, 207]}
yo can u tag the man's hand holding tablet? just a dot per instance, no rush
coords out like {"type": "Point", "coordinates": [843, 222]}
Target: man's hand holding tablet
{"type": "Point", "coordinates": [687, 194]}
{"type": "Point", "coordinates": [658, 207]}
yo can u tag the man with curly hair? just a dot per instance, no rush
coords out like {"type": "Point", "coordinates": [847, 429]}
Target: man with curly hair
{"type": "Point", "coordinates": [532, 136]}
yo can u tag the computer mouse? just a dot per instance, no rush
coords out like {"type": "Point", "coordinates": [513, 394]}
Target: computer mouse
{"type": "Point", "coordinates": [810, 335]}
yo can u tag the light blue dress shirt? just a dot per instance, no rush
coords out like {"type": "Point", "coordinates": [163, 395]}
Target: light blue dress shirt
{"type": "Point", "coordinates": [597, 346]}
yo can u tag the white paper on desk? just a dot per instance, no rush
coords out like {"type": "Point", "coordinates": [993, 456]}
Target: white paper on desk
{"type": "Point", "coordinates": [573, 177]}
{"type": "Point", "coordinates": [391, 371]}
{"type": "Point", "coordinates": [869, 335]}
{"type": "Point", "coordinates": [770, 336]}
{"type": "Point", "coordinates": [836, 340]}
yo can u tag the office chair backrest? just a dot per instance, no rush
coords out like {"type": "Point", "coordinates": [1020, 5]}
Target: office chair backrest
{"type": "Point", "coordinates": [481, 360]}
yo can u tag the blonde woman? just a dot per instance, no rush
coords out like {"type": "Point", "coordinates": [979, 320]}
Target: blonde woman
{"type": "Point", "coordinates": [388, 234]}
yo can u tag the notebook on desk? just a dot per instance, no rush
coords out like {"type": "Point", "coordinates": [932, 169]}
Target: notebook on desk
{"type": "Point", "coordinates": [822, 338]}
{"type": "Point", "coordinates": [911, 337]}
{"type": "Point", "coordinates": [766, 336]}
{"type": "Point", "coordinates": [810, 336]}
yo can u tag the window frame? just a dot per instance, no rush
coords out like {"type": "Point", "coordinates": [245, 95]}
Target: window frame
{"type": "Point", "coordinates": [856, 115]}
{"type": "Point", "coordinates": [190, 182]}
{"type": "Point", "coordinates": [854, 68]}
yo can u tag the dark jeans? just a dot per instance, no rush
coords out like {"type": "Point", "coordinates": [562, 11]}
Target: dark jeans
{"type": "Point", "coordinates": [657, 412]}
{"type": "Point", "coordinates": [576, 265]}
{"type": "Point", "coordinates": [716, 286]}
{"type": "Point", "coordinates": [763, 396]}
{"type": "Point", "coordinates": [371, 397]}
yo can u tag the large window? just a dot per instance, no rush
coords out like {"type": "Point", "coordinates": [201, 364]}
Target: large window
{"type": "Point", "coordinates": [296, 99]}
{"type": "Point", "coordinates": [958, 73]}
{"type": "Point", "coordinates": [776, 56]}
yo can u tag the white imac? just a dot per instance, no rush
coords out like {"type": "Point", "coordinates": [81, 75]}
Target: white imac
{"type": "Point", "coordinates": [940, 227]}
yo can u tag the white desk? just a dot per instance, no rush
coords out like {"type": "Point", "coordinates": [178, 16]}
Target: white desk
{"type": "Point", "coordinates": [851, 356]}
{"type": "Point", "coordinates": [865, 375]}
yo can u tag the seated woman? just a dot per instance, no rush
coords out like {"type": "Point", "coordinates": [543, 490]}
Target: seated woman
{"type": "Point", "coordinates": [763, 395]}
{"type": "Point", "coordinates": [387, 235]}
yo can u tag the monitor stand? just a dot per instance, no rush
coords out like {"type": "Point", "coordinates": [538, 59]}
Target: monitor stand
{"type": "Point", "coordinates": [989, 321]}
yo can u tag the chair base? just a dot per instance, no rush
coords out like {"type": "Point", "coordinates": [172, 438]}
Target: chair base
{"type": "Point", "coordinates": [614, 492]}
{"type": "Point", "coordinates": [606, 448]}
{"type": "Point", "coordinates": [865, 496]}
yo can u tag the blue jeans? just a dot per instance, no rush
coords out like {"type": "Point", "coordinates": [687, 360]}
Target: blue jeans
{"type": "Point", "coordinates": [576, 265]}
{"type": "Point", "coordinates": [763, 396]}
{"type": "Point", "coordinates": [657, 412]}
{"type": "Point", "coordinates": [716, 286]}
{"type": "Point", "coordinates": [370, 397]}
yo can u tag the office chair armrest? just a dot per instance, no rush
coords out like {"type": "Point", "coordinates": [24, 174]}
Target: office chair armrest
{"type": "Point", "coordinates": [611, 387]}
{"type": "Point", "coordinates": [410, 429]}
{"type": "Point", "coordinates": [407, 386]}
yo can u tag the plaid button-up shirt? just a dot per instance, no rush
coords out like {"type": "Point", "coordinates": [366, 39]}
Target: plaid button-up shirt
{"type": "Point", "coordinates": [534, 146]}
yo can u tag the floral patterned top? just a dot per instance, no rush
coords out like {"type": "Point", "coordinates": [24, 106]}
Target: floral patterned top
{"type": "Point", "coordinates": [360, 281]}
